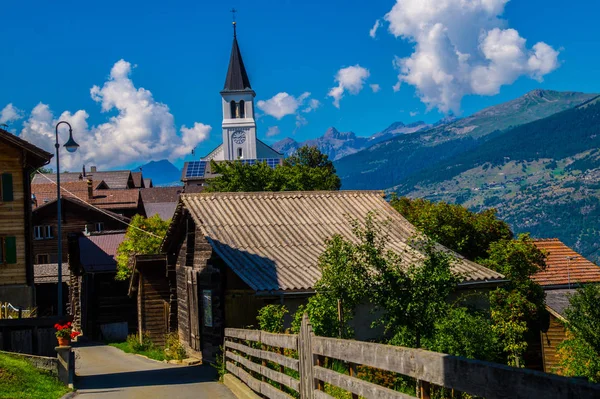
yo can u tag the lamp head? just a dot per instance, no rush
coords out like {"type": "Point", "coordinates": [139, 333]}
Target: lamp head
{"type": "Point", "coordinates": [71, 145]}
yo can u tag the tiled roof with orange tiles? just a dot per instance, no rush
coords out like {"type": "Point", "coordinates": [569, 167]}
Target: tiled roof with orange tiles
{"type": "Point", "coordinates": [564, 265]}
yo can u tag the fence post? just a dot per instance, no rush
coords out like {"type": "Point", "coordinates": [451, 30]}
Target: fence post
{"type": "Point", "coordinates": [305, 354]}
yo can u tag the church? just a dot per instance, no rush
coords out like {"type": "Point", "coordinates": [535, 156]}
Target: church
{"type": "Point", "coordinates": [239, 126]}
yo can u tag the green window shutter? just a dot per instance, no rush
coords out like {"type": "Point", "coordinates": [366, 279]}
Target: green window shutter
{"type": "Point", "coordinates": [7, 187]}
{"type": "Point", "coordinates": [10, 246]}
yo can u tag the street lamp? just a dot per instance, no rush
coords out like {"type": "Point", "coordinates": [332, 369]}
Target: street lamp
{"type": "Point", "coordinates": [71, 146]}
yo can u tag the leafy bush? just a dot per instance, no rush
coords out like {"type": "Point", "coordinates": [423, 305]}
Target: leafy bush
{"type": "Point", "coordinates": [173, 348]}
{"type": "Point", "coordinates": [270, 318]}
{"type": "Point", "coordinates": [139, 346]}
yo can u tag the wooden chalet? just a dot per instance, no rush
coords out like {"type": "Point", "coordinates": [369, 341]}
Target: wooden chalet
{"type": "Point", "coordinates": [18, 160]}
{"type": "Point", "coordinates": [565, 271]}
{"type": "Point", "coordinates": [229, 254]}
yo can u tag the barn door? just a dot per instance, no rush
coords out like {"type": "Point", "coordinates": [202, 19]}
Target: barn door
{"type": "Point", "coordinates": [193, 311]}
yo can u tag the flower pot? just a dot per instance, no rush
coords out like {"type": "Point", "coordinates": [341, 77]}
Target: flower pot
{"type": "Point", "coordinates": [63, 341]}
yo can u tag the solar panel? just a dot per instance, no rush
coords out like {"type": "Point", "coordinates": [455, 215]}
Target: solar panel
{"type": "Point", "coordinates": [196, 169]}
{"type": "Point", "coordinates": [271, 162]}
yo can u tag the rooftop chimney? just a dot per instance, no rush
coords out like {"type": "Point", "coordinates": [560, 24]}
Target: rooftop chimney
{"type": "Point", "coordinates": [83, 170]}
{"type": "Point", "coordinates": [93, 169]}
{"type": "Point", "coordinates": [90, 189]}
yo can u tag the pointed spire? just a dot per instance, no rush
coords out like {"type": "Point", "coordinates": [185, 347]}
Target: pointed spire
{"type": "Point", "coordinates": [237, 78]}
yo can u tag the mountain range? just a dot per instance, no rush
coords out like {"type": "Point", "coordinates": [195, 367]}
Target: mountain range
{"type": "Point", "coordinates": [336, 144]}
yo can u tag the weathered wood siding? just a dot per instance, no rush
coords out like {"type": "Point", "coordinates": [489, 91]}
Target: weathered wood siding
{"type": "Point", "coordinates": [550, 340]}
{"type": "Point", "coordinates": [153, 310]}
{"type": "Point", "coordinates": [13, 215]}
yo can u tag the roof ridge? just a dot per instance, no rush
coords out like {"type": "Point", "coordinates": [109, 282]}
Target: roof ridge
{"type": "Point", "coordinates": [546, 239]}
{"type": "Point", "coordinates": [307, 193]}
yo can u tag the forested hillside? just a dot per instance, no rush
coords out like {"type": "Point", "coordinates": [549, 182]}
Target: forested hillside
{"type": "Point", "coordinates": [543, 177]}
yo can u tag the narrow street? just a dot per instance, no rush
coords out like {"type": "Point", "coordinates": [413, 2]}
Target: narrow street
{"type": "Point", "coordinates": [106, 372]}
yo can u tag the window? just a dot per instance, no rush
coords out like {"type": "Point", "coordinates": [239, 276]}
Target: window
{"type": "Point", "coordinates": [242, 109]}
{"type": "Point", "coordinates": [232, 107]}
{"type": "Point", "coordinates": [8, 250]}
{"type": "Point", "coordinates": [240, 153]}
{"type": "Point", "coordinates": [42, 259]}
{"type": "Point", "coordinates": [99, 226]}
{"type": "Point", "coordinates": [42, 232]}
{"type": "Point", "coordinates": [6, 187]}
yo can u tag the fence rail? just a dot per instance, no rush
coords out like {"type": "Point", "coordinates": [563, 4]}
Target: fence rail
{"type": "Point", "coordinates": [247, 353]}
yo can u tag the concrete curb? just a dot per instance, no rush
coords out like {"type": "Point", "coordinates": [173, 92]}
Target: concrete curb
{"type": "Point", "coordinates": [238, 388]}
{"type": "Point", "coordinates": [69, 395]}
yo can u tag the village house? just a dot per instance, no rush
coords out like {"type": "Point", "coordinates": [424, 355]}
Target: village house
{"type": "Point", "coordinates": [566, 270]}
{"type": "Point", "coordinates": [229, 254]}
{"type": "Point", "coordinates": [18, 160]}
{"type": "Point", "coordinates": [161, 201]}
{"type": "Point", "coordinates": [78, 217]}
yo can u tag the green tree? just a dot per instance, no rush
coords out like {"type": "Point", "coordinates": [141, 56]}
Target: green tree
{"type": "Point", "coordinates": [143, 237]}
{"type": "Point", "coordinates": [307, 170]}
{"type": "Point", "coordinates": [579, 354]}
{"type": "Point", "coordinates": [413, 297]}
{"type": "Point", "coordinates": [468, 233]}
{"type": "Point", "coordinates": [516, 306]}
{"type": "Point", "coordinates": [271, 318]}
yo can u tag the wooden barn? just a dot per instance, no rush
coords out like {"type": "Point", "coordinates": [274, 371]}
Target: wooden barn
{"type": "Point", "coordinates": [99, 304]}
{"type": "Point", "coordinates": [18, 160]}
{"type": "Point", "coordinates": [236, 252]}
{"type": "Point", "coordinates": [565, 271]}
{"type": "Point", "coordinates": [155, 291]}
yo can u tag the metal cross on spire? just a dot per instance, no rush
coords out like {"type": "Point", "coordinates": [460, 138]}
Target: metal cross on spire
{"type": "Point", "coordinates": [233, 11]}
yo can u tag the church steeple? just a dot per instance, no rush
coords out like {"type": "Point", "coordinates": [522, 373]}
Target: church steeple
{"type": "Point", "coordinates": [237, 78]}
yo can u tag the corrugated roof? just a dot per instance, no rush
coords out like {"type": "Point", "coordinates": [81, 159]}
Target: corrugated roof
{"type": "Point", "coordinates": [97, 252]}
{"type": "Point", "coordinates": [560, 270]}
{"type": "Point", "coordinates": [118, 179]}
{"type": "Point", "coordinates": [273, 240]}
{"type": "Point", "coordinates": [48, 273]}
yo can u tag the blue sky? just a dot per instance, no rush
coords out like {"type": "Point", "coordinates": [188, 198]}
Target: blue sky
{"type": "Point", "coordinates": [54, 53]}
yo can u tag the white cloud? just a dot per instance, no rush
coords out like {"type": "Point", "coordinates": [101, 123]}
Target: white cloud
{"type": "Point", "coordinates": [375, 87]}
{"type": "Point", "coordinates": [373, 30]}
{"type": "Point", "coordinates": [10, 113]}
{"type": "Point", "coordinates": [141, 130]}
{"type": "Point", "coordinates": [413, 113]}
{"type": "Point", "coordinates": [312, 105]}
{"type": "Point", "coordinates": [273, 131]}
{"type": "Point", "coordinates": [282, 104]}
{"type": "Point", "coordinates": [351, 79]}
{"type": "Point", "coordinates": [396, 87]}
{"type": "Point", "coordinates": [461, 48]}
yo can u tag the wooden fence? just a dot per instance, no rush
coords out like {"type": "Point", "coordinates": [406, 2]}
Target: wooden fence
{"type": "Point", "coordinates": [298, 369]}
{"type": "Point", "coordinates": [33, 336]}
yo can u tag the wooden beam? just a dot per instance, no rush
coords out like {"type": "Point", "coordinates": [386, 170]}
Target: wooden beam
{"type": "Point", "coordinates": [357, 386]}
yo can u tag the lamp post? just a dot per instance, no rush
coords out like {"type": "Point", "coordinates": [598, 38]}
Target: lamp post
{"type": "Point", "coordinates": [71, 146]}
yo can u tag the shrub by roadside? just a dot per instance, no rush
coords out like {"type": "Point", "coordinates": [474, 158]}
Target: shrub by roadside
{"type": "Point", "coordinates": [173, 349]}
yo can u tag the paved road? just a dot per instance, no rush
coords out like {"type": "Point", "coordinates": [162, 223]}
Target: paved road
{"type": "Point", "coordinates": [105, 372]}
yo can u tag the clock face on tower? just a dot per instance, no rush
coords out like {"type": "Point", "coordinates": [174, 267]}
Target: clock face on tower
{"type": "Point", "coordinates": [239, 137]}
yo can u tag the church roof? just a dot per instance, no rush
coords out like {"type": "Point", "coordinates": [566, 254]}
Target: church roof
{"type": "Point", "coordinates": [237, 78]}
{"type": "Point", "coordinates": [272, 241]}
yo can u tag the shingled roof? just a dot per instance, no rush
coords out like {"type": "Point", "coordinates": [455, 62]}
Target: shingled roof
{"type": "Point", "coordinates": [272, 241]}
{"type": "Point", "coordinates": [560, 270]}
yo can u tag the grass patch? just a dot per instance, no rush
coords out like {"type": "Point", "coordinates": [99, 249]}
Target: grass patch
{"type": "Point", "coordinates": [19, 379]}
{"type": "Point", "coordinates": [151, 352]}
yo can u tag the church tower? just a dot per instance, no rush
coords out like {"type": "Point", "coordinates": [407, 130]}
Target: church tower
{"type": "Point", "coordinates": [239, 126]}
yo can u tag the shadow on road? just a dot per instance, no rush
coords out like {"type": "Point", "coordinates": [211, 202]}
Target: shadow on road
{"type": "Point", "coordinates": [166, 376]}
